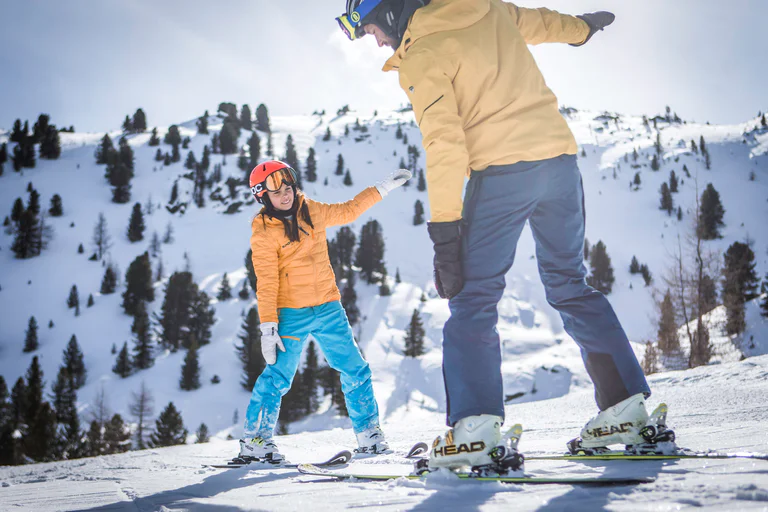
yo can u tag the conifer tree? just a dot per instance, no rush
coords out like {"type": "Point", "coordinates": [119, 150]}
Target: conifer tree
{"type": "Point", "coordinates": [646, 273]}
{"type": "Point", "coordinates": [414, 336]}
{"type": "Point", "coordinates": [127, 124]}
{"type": "Point", "coordinates": [105, 153]}
{"type": "Point", "coordinates": [74, 363]}
{"type": "Point", "coordinates": [311, 168]}
{"type": "Point", "coordinates": [225, 292]}
{"type": "Point", "coordinates": [122, 365]}
{"type": "Point", "coordinates": [202, 124]}
{"type": "Point", "coordinates": [418, 213]}
{"type": "Point", "coordinates": [245, 118]}
{"type": "Point", "coordinates": [309, 380]}
{"type": "Point", "coordinates": [348, 179]}
{"type": "Point", "coordinates": [384, 290]}
{"type": "Point", "coordinates": [349, 300]}
{"type": "Point", "coordinates": [270, 148]}
{"type": "Point", "coordinates": [3, 153]}
{"type": "Point", "coordinates": [50, 145]}
{"type": "Point", "coordinates": [262, 119]}
{"type": "Point", "coordinates": [243, 163]}
{"type": "Point", "coordinates": [139, 121]}
{"type": "Point", "coordinates": [672, 182]}
{"type": "Point", "coordinates": [634, 266]}
{"type": "Point", "coordinates": [26, 235]}
{"type": "Point", "coordinates": [230, 131]}
{"type": "Point", "coordinates": [422, 185]}
{"type": "Point", "coordinates": [740, 284]}
{"type": "Point", "coordinates": [202, 434]}
{"type": "Point", "coordinates": [764, 301]}
{"type": "Point", "coordinates": [7, 426]}
{"type": "Point", "coordinates": [710, 215]}
{"type": "Point", "coordinates": [39, 436]}
{"type": "Point", "coordinates": [254, 150]}
{"type": "Point", "coordinates": [636, 182]}
{"type": "Point", "coordinates": [370, 252]}
{"type": "Point", "coordinates": [17, 210]}
{"type": "Point", "coordinates": [397, 277]}
{"type": "Point", "coordinates": [175, 154]}
{"type": "Point", "coordinates": [201, 319]}
{"type": "Point", "coordinates": [138, 283]}
{"type": "Point", "coordinates": [154, 140]}
{"type": "Point", "coordinates": [190, 371]}
{"type": "Point", "coordinates": [190, 162]}
{"type": "Point", "coordinates": [655, 163]}
{"type": "Point", "coordinates": [142, 347]}
{"type": "Point", "coordinates": [73, 301]}
{"type": "Point", "coordinates": [667, 338]}
{"type": "Point", "coordinates": [18, 402]}
{"type": "Point", "coordinates": [249, 352]}
{"type": "Point", "coordinates": [180, 291]}
{"type": "Point", "coordinates": [339, 165]}
{"type": "Point", "coordinates": [30, 342]}
{"type": "Point", "coordinates": [169, 428]}
{"type": "Point", "coordinates": [243, 293]}
{"type": "Point", "coordinates": [291, 157]}
{"type": "Point", "coordinates": [70, 437]}
{"type": "Point", "coordinates": [601, 277]}
{"type": "Point", "coordinates": [136, 224]}
{"type": "Point", "coordinates": [109, 281]}
{"type": "Point", "coordinates": [667, 203]}
{"type": "Point", "coordinates": [172, 137]}
{"type": "Point", "coordinates": [141, 408]}
{"type": "Point", "coordinates": [117, 435]}
{"type": "Point", "coordinates": [327, 135]}
{"type": "Point", "coordinates": [56, 210]}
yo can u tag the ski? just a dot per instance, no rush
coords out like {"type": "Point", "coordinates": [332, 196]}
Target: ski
{"type": "Point", "coordinates": [340, 459]}
{"type": "Point", "coordinates": [309, 469]}
{"type": "Point", "coordinates": [625, 455]}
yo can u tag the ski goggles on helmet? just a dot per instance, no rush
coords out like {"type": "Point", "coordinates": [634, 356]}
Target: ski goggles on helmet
{"type": "Point", "coordinates": [351, 21]}
{"type": "Point", "coordinates": [274, 181]}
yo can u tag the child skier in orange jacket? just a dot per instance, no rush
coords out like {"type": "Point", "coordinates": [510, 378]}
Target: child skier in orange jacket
{"type": "Point", "coordinates": [298, 296]}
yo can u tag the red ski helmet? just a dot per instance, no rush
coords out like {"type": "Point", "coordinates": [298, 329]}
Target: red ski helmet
{"type": "Point", "coordinates": [270, 175]}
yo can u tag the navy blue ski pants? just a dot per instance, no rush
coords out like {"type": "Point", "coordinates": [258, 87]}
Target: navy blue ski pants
{"type": "Point", "coordinates": [497, 203]}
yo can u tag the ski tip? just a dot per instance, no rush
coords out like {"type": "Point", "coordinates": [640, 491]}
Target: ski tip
{"type": "Point", "coordinates": [417, 449]}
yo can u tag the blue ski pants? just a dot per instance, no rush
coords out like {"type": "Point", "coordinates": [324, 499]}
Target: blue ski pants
{"type": "Point", "coordinates": [498, 201]}
{"type": "Point", "coordinates": [329, 326]}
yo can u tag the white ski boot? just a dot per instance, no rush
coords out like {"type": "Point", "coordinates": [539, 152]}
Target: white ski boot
{"type": "Point", "coordinates": [626, 423]}
{"type": "Point", "coordinates": [371, 441]}
{"type": "Point", "coordinates": [476, 441]}
{"type": "Point", "coordinates": [259, 449]}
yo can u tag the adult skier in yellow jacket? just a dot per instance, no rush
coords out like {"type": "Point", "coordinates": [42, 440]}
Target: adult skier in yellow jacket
{"type": "Point", "coordinates": [485, 111]}
{"type": "Point", "coordinates": [298, 297]}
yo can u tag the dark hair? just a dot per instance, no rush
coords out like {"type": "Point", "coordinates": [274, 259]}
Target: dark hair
{"type": "Point", "coordinates": [289, 217]}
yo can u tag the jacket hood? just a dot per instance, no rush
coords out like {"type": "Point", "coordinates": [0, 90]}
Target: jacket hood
{"type": "Point", "coordinates": [438, 16]}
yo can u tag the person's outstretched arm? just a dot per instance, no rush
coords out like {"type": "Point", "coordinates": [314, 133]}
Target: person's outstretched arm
{"type": "Point", "coordinates": [336, 214]}
{"type": "Point", "coordinates": [546, 26]}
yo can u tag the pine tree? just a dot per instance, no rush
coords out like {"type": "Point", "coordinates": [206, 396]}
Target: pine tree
{"type": "Point", "coordinates": [370, 252]}
{"type": "Point", "coordinates": [174, 320]}
{"type": "Point", "coordinates": [117, 435]}
{"type": "Point", "coordinates": [655, 163]}
{"type": "Point", "coordinates": [327, 135]}
{"type": "Point", "coordinates": [225, 292]}
{"type": "Point", "coordinates": [17, 210]}
{"type": "Point", "coordinates": [243, 293]}
{"type": "Point", "coordinates": [262, 119]}
{"type": "Point", "coordinates": [138, 284]}
{"type": "Point", "coordinates": [56, 209]}
{"type": "Point", "coordinates": [136, 224]}
{"type": "Point", "coordinates": [634, 266]}
{"type": "Point", "coordinates": [348, 179]}
{"type": "Point", "coordinates": [74, 363]}
{"type": "Point", "coordinates": [230, 132]}
{"type": "Point", "coordinates": [245, 118]}
{"type": "Point", "coordinates": [142, 409]}
{"type": "Point", "coordinates": [418, 213]}
{"type": "Point", "coordinates": [309, 380]}
{"type": "Point", "coordinates": [710, 215]}
{"type": "Point", "coordinates": [349, 300]}
{"type": "Point", "coordinates": [3, 153]}
{"type": "Point", "coordinates": [636, 182]}
{"type": "Point", "coordinates": [384, 290]}
{"type": "Point", "coordinates": [7, 426]}
{"type": "Point", "coordinates": [667, 203]}
{"type": "Point", "coordinates": [169, 428]}
{"type": "Point", "coordinates": [127, 124]}
{"type": "Point", "coordinates": [601, 277]}
{"type": "Point", "coordinates": [190, 163]}
{"type": "Point", "coordinates": [397, 277]}
{"type": "Point", "coordinates": [202, 434]}
{"type": "Point", "coordinates": [70, 440]}
{"type": "Point", "coordinates": [740, 284]}
{"type": "Point", "coordinates": [172, 137]}
{"type": "Point", "coordinates": [122, 365]}
{"type": "Point", "coordinates": [39, 436]}
{"type": "Point", "coordinates": [109, 281]}
{"type": "Point", "coordinates": [154, 140]}
{"type": "Point", "coordinates": [26, 235]}
{"type": "Point", "coordinates": [242, 162]}
{"type": "Point", "coordinates": [190, 371]}
{"type": "Point", "coordinates": [291, 157]}
{"type": "Point", "coordinates": [201, 319]}
{"type": "Point", "coordinates": [249, 352]}
{"type": "Point", "coordinates": [764, 301]}
{"type": "Point", "coordinates": [311, 172]}
{"type": "Point", "coordinates": [339, 165]}
{"type": "Point", "coordinates": [50, 145]}
{"type": "Point", "coordinates": [142, 348]}
{"type": "Point", "coordinates": [646, 273]}
{"type": "Point", "coordinates": [105, 153]}
{"type": "Point", "coordinates": [73, 301]}
{"type": "Point", "coordinates": [422, 185]}
{"type": "Point", "coordinates": [414, 336]}
{"type": "Point", "coordinates": [30, 342]}
{"type": "Point", "coordinates": [668, 340]}
{"type": "Point", "coordinates": [672, 182]}
{"type": "Point", "coordinates": [202, 124]}
{"type": "Point", "coordinates": [175, 154]}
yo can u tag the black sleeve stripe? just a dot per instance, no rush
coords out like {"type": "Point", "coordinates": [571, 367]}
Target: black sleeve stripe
{"type": "Point", "coordinates": [428, 106]}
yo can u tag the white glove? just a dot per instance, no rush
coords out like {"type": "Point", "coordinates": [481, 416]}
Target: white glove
{"type": "Point", "coordinates": [270, 342]}
{"type": "Point", "coordinates": [396, 179]}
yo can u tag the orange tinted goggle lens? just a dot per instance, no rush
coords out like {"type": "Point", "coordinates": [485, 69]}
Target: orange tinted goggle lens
{"type": "Point", "coordinates": [275, 180]}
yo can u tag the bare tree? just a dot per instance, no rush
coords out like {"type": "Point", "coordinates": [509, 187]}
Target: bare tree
{"type": "Point", "coordinates": [101, 239]}
{"type": "Point", "coordinates": [142, 409]}
{"type": "Point", "coordinates": [100, 412]}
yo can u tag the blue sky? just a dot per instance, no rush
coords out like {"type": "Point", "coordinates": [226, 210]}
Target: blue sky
{"type": "Point", "coordinates": [90, 63]}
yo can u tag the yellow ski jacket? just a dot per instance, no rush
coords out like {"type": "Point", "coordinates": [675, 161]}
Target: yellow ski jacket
{"type": "Point", "coordinates": [477, 94]}
{"type": "Point", "coordinates": [299, 274]}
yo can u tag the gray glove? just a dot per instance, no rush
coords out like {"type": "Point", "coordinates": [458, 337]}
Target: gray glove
{"type": "Point", "coordinates": [596, 21]}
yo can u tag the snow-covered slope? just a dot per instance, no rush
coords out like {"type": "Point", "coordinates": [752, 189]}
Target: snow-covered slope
{"type": "Point", "coordinates": [540, 360]}
{"type": "Point", "coordinates": [717, 406]}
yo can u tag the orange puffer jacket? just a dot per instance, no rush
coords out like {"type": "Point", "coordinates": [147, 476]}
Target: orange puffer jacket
{"type": "Point", "coordinates": [299, 274]}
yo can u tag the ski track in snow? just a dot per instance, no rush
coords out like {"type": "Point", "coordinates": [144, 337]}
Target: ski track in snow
{"type": "Point", "coordinates": [721, 406]}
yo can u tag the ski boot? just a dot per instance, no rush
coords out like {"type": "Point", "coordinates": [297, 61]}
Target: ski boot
{"type": "Point", "coordinates": [371, 441]}
{"type": "Point", "coordinates": [475, 441]}
{"type": "Point", "coordinates": [625, 423]}
{"type": "Point", "coordinates": [257, 449]}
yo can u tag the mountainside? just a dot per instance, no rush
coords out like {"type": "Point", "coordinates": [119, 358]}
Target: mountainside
{"type": "Point", "coordinates": [540, 361]}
